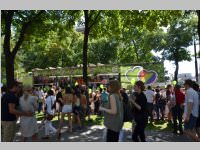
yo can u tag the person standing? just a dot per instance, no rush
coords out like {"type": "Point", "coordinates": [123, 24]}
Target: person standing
{"type": "Point", "coordinates": [177, 111]}
{"type": "Point", "coordinates": [59, 103]}
{"type": "Point", "coordinates": [77, 108]}
{"type": "Point", "coordinates": [9, 112]}
{"type": "Point", "coordinates": [28, 125]}
{"type": "Point", "coordinates": [113, 114]}
{"type": "Point", "coordinates": [104, 98]}
{"type": "Point", "coordinates": [191, 110]}
{"type": "Point", "coordinates": [83, 105]}
{"type": "Point", "coordinates": [139, 101]}
{"type": "Point", "coordinates": [67, 101]}
{"type": "Point", "coordinates": [40, 94]}
{"type": "Point", "coordinates": [159, 104]}
{"type": "Point", "coordinates": [50, 112]}
{"type": "Point", "coordinates": [150, 99]}
{"type": "Point", "coordinates": [97, 102]}
{"type": "Point", "coordinates": [170, 102]}
{"type": "Point", "coordinates": [196, 88]}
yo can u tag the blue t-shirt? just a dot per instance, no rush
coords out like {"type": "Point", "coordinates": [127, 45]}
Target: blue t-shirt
{"type": "Point", "coordinates": [8, 98]}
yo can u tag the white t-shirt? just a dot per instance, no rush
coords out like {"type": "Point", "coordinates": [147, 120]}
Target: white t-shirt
{"type": "Point", "coordinates": [40, 94]}
{"type": "Point", "coordinates": [49, 102]}
{"type": "Point", "coordinates": [149, 95]}
{"type": "Point", "coordinates": [192, 96]}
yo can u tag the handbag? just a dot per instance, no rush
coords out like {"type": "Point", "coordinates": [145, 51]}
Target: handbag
{"type": "Point", "coordinates": [49, 117]}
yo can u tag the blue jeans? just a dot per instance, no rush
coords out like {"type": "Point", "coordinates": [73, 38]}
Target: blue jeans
{"type": "Point", "coordinates": [191, 124]}
{"type": "Point", "coordinates": [160, 109]}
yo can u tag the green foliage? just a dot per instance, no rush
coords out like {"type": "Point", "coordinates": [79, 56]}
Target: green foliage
{"type": "Point", "coordinates": [102, 51]}
{"type": "Point", "coordinates": [175, 41]}
{"type": "Point", "coordinates": [116, 36]}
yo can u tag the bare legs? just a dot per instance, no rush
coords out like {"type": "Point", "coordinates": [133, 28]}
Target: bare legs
{"type": "Point", "coordinates": [70, 121]}
{"type": "Point", "coordinates": [61, 123]}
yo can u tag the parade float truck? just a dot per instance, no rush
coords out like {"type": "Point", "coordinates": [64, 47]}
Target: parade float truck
{"type": "Point", "coordinates": [149, 73]}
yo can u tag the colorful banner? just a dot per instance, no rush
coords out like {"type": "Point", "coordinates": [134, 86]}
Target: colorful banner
{"type": "Point", "coordinates": [131, 74]}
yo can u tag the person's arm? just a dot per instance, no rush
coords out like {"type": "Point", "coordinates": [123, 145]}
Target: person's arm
{"type": "Point", "coordinates": [132, 99]}
{"type": "Point", "coordinates": [136, 105]}
{"type": "Point", "coordinates": [113, 109]}
{"type": "Point", "coordinates": [12, 110]}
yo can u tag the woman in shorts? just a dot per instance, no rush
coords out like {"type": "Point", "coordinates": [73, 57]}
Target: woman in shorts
{"type": "Point", "coordinates": [67, 101]}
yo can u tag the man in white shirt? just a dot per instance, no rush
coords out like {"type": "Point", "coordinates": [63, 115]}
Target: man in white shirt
{"type": "Point", "coordinates": [50, 111]}
{"type": "Point", "coordinates": [191, 109]}
{"type": "Point", "coordinates": [150, 95]}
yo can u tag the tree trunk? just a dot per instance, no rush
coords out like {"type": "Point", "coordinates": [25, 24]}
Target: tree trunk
{"type": "Point", "coordinates": [85, 47]}
{"type": "Point", "coordinates": [9, 69]}
{"type": "Point", "coordinates": [9, 59]}
{"type": "Point", "coordinates": [176, 71]}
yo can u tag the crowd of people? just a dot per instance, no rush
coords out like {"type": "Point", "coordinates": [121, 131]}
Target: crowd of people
{"type": "Point", "coordinates": [179, 105]}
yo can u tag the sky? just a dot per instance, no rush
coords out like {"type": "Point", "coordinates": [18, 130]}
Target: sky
{"type": "Point", "coordinates": [185, 66]}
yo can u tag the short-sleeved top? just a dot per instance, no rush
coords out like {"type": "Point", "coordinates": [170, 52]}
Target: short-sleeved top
{"type": "Point", "coordinates": [142, 101]}
{"type": "Point", "coordinates": [49, 103]}
{"type": "Point", "coordinates": [28, 105]}
{"type": "Point", "coordinates": [193, 97]}
{"type": "Point", "coordinates": [8, 98]}
{"type": "Point", "coordinates": [149, 95]}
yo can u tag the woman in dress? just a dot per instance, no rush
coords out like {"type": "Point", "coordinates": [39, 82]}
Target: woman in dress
{"type": "Point", "coordinates": [28, 125]}
{"type": "Point", "coordinates": [67, 101]}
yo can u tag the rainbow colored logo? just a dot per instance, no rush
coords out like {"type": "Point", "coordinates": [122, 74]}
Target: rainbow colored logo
{"type": "Point", "coordinates": [139, 73]}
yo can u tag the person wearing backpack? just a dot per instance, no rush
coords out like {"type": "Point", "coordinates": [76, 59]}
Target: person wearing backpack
{"type": "Point", "coordinates": [128, 109]}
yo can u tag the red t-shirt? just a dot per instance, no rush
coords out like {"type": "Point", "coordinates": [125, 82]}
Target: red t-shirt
{"type": "Point", "coordinates": [180, 97]}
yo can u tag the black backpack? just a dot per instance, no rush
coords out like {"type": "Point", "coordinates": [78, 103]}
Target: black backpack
{"type": "Point", "coordinates": [128, 111]}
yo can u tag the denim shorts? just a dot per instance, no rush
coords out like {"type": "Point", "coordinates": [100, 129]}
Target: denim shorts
{"type": "Point", "coordinates": [191, 124]}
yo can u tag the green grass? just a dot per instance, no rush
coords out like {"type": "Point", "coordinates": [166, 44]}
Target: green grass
{"type": "Point", "coordinates": [98, 120]}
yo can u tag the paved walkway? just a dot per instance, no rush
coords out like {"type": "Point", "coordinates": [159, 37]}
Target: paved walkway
{"type": "Point", "coordinates": [95, 133]}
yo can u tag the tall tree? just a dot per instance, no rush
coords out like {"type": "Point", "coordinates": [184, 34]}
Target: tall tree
{"type": "Point", "coordinates": [33, 27]}
{"type": "Point", "coordinates": [16, 18]}
{"type": "Point", "coordinates": [175, 41]}
{"type": "Point", "coordinates": [91, 18]}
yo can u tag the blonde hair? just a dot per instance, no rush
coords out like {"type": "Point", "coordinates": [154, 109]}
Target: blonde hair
{"type": "Point", "coordinates": [114, 86]}
{"type": "Point", "coordinates": [26, 90]}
